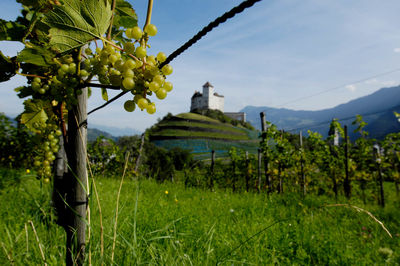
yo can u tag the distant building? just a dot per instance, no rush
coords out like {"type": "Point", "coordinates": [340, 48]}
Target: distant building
{"type": "Point", "coordinates": [207, 100]}
{"type": "Point", "coordinates": [212, 100]}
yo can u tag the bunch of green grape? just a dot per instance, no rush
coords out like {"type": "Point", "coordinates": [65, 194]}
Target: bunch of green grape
{"type": "Point", "coordinates": [128, 66]}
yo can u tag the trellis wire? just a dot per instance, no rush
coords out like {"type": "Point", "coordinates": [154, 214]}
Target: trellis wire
{"type": "Point", "coordinates": [212, 25]}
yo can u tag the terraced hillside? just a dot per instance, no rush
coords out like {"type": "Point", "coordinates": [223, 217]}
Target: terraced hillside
{"type": "Point", "coordinates": [202, 134]}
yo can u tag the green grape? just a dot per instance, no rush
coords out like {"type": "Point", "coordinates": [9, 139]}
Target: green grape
{"type": "Point", "coordinates": [37, 79]}
{"type": "Point", "coordinates": [161, 93]}
{"type": "Point", "coordinates": [129, 64]}
{"type": "Point", "coordinates": [37, 163]}
{"type": "Point", "coordinates": [83, 73]}
{"type": "Point", "coordinates": [110, 49]}
{"type": "Point", "coordinates": [46, 87]}
{"type": "Point", "coordinates": [150, 29]}
{"type": "Point", "coordinates": [151, 108]}
{"type": "Point", "coordinates": [98, 50]}
{"type": "Point", "coordinates": [168, 86]}
{"type": "Point", "coordinates": [46, 163]}
{"type": "Point", "coordinates": [128, 33]}
{"type": "Point", "coordinates": [154, 86]}
{"type": "Point", "coordinates": [142, 103]}
{"type": "Point", "coordinates": [140, 52]}
{"type": "Point", "coordinates": [129, 106]}
{"type": "Point", "coordinates": [136, 33]}
{"type": "Point", "coordinates": [167, 70]}
{"type": "Point", "coordinates": [35, 86]}
{"type": "Point", "coordinates": [119, 65]}
{"type": "Point", "coordinates": [55, 149]}
{"type": "Point", "coordinates": [72, 68]}
{"type": "Point", "coordinates": [128, 73]}
{"type": "Point", "coordinates": [151, 60]}
{"type": "Point", "coordinates": [49, 154]}
{"type": "Point", "coordinates": [161, 57]}
{"type": "Point", "coordinates": [42, 91]}
{"type": "Point", "coordinates": [104, 58]}
{"type": "Point", "coordinates": [113, 58]}
{"type": "Point", "coordinates": [53, 157]}
{"type": "Point", "coordinates": [50, 137]}
{"type": "Point", "coordinates": [159, 79]}
{"type": "Point", "coordinates": [129, 48]}
{"type": "Point", "coordinates": [65, 68]}
{"type": "Point", "coordinates": [137, 98]}
{"type": "Point", "coordinates": [114, 71]}
{"type": "Point", "coordinates": [128, 83]}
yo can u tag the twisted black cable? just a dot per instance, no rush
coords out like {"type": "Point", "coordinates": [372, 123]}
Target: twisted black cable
{"type": "Point", "coordinates": [227, 15]}
{"type": "Point", "coordinates": [230, 14]}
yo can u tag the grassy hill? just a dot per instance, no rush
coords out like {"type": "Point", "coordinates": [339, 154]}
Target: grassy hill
{"type": "Point", "coordinates": [201, 134]}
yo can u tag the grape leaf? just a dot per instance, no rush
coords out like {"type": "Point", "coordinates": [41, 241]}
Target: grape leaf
{"type": "Point", "coordinates": [33, 119]}
{"type": "Point", "coordinates": [125, 15]}
{"type": "Point", "coordinates": [8, 67]}
{"type": "Point", "coordinates": [104, 94]}
{"type": "Point", "coordinates": [36, 55]}
{"type": "Point", "coordinates": [11, 31]}
{"type": "Point", "coordinates": [76, 22]}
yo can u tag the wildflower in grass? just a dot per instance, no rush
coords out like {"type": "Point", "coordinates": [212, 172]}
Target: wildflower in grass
{"type": "Point", "coordinates": [176, 200]}
{"type": "Point", "coordinates": [166, 192]}
{"type": "Point", "coordinates": [28, 171]}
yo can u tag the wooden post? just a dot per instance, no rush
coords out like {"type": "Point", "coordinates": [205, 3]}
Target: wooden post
{"type": "Point", "coordinates": [263, 125]}
{"type": "Point", "coordinates": [259, 171]}
{"type": "Point", "coordinates": [380, 180]}
{"type": "Point", "coordinates": [77, 198]}
{"type": "Point", "coordinates": [263, 130]}
{"type": "Point", "coordinates": [247, 172]}
{"type": "Point", "coordinates": [303, 177]}
{"type": "Point", "coordinates": [346, 184]}
{"type": "Point", "coordinates": [212, 169]}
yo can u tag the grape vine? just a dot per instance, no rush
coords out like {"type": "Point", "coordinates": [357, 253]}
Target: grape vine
{"type": "Point", "coordinates": [62, 56]}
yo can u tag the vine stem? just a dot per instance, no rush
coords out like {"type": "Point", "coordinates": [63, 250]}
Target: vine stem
{"type": "Point", "coordinates": [112, 20]}
{"type": "Point", "coordinates": [149, 11]}
{"type": "Point", "coordinates": [30, 75]}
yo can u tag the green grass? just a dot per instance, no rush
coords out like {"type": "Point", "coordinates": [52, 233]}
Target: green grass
{"type": "Point", "coordinates": [197, 117]}
{"type": "Point", "coordinates": [197, 227]}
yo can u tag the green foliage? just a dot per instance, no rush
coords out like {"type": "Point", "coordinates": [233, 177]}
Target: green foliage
{"type": "Point", "coordinates": [220, 116]}
{"type": "Point", "coordinates": [16, 144]}
{"type": "Point", "coordinates": [11, 30]}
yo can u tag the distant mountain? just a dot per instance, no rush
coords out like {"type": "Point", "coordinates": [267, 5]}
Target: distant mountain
{"type": "Point", "coordinates": [376, 109]}
{"type": "Point", "coordinates": [94, 133]}
{"type": "Point", "coordinates": [116, 131]}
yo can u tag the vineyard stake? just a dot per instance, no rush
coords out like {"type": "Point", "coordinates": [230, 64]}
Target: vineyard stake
{"type": "Point", "coordinates": [346, 184]}
{"type": "Point", "coordinates": [263, 132]}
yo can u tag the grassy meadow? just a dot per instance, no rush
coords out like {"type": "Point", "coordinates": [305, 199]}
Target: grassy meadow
{"type": "Point", "coordinates": [166, 224]}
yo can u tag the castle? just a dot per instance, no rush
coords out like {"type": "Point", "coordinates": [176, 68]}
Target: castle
{"type": "Point", "coordinates": [212, 100]}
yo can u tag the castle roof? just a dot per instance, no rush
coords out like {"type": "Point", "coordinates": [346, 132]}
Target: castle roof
{"type": "Point", "coordinates": [208, 84]}
{"type": "Point", "coordinates": [197, 94]}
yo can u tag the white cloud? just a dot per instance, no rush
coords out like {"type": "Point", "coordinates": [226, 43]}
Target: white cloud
{"type": "Point", "coordinates": [351, 88]}
{"type": "Point", "coordinates": [396, 50]}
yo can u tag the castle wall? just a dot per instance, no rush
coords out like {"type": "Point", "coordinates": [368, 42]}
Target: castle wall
{"type": "Point", "coordinates": [241, 116]}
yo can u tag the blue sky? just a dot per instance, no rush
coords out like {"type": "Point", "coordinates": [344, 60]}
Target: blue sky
{"type": "Point", "coordinates": [273, 54]}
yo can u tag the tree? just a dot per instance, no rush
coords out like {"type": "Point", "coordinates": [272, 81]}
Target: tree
{"type": "Point", "coordinates": [60, 65]}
